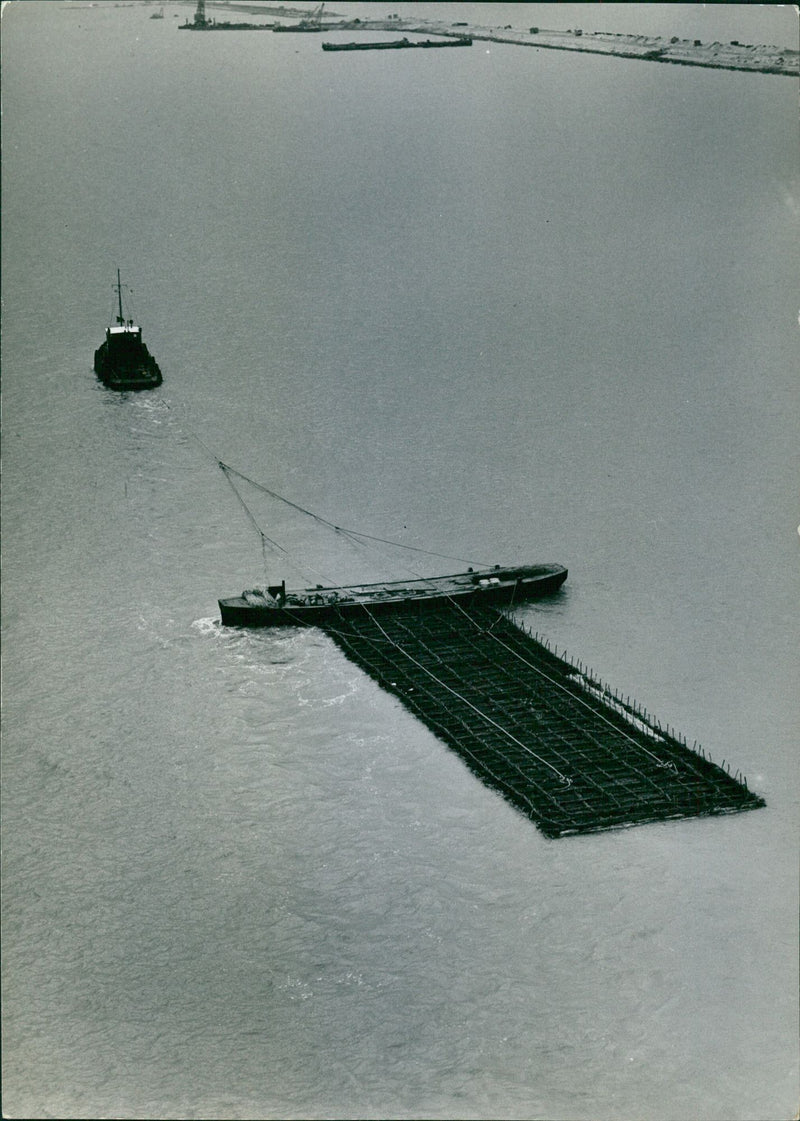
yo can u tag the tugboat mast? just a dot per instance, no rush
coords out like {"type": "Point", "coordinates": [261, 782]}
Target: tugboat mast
{"type": "Point", "coordinates": [120, 317]}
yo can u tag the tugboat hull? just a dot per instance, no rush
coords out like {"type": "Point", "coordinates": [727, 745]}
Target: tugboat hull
{"type": "Point", "coordinates": [140, 373]}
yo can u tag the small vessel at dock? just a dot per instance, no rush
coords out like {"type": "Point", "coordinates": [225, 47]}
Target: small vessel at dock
{"type": "Point", "coordinates": [398, 44]}
{"type": "Point", "coordinates": [123, 361]}
{"type": "Point", "coordinates": [275, 607]}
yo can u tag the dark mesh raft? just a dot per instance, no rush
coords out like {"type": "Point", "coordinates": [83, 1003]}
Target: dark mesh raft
{"type": "Point", "coordinates": [559, 745]}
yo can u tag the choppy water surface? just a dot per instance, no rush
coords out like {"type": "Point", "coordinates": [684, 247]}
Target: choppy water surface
{"type": "Point", "coordinates": [507, 304]}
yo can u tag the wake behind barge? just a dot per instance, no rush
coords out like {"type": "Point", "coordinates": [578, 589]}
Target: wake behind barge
{"type": "Point", "coordinates": [275, 607]}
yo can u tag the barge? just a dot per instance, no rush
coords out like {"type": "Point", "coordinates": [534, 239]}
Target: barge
{"type": "Point", "coordinates": [275, 607]}
{"type": "Point", "coordinates": [547, 734]}
{"type": "Point", "coordinates": [543, 731]}
{"type": "Point", "coordinates": [398, 44]}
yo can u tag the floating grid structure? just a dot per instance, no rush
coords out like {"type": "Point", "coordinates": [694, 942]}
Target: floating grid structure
{"type": "Point", "coordinates": [550, 737]}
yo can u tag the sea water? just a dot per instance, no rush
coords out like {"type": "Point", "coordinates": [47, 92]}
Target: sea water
{"type": "Point", "coordinates": [504, 304]}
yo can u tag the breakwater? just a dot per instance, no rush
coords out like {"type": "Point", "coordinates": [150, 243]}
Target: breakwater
{"type": "Point", "coordinates": [225, 26]}
{"type": "Point", "coordinates": [761, 58]}
{"type": "Point", "coordinates": [554, 740]}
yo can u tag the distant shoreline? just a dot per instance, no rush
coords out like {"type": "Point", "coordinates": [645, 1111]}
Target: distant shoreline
{"type": "Point", "coordinates": [760, 59]}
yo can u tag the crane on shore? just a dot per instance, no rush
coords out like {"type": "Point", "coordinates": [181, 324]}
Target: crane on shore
{"type": "Point", "coordinates": [200, 14]}
{"type": "Point", "coordinates": [315, 18]}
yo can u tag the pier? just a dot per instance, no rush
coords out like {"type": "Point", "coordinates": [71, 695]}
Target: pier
{"type": "Point", "coordinates": [545, 733]}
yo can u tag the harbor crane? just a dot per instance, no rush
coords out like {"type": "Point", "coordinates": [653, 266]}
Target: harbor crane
{"type": "Point", "coordinates": [315, 18]}
{"type": "Point", "coordinates": [200, 14]}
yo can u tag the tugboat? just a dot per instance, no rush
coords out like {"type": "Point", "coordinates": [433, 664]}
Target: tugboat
{"type": "Point", "coordinates": [123, 361]}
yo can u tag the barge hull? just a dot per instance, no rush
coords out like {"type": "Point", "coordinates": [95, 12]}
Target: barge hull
{"type": "Point", "coordinates": [387, 599]}
{"type": "Point", "coordinates": [397, 45]}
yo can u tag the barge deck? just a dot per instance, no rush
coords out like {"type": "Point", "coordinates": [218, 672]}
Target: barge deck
{"type": "Point", "coordinates": [548, 736]}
